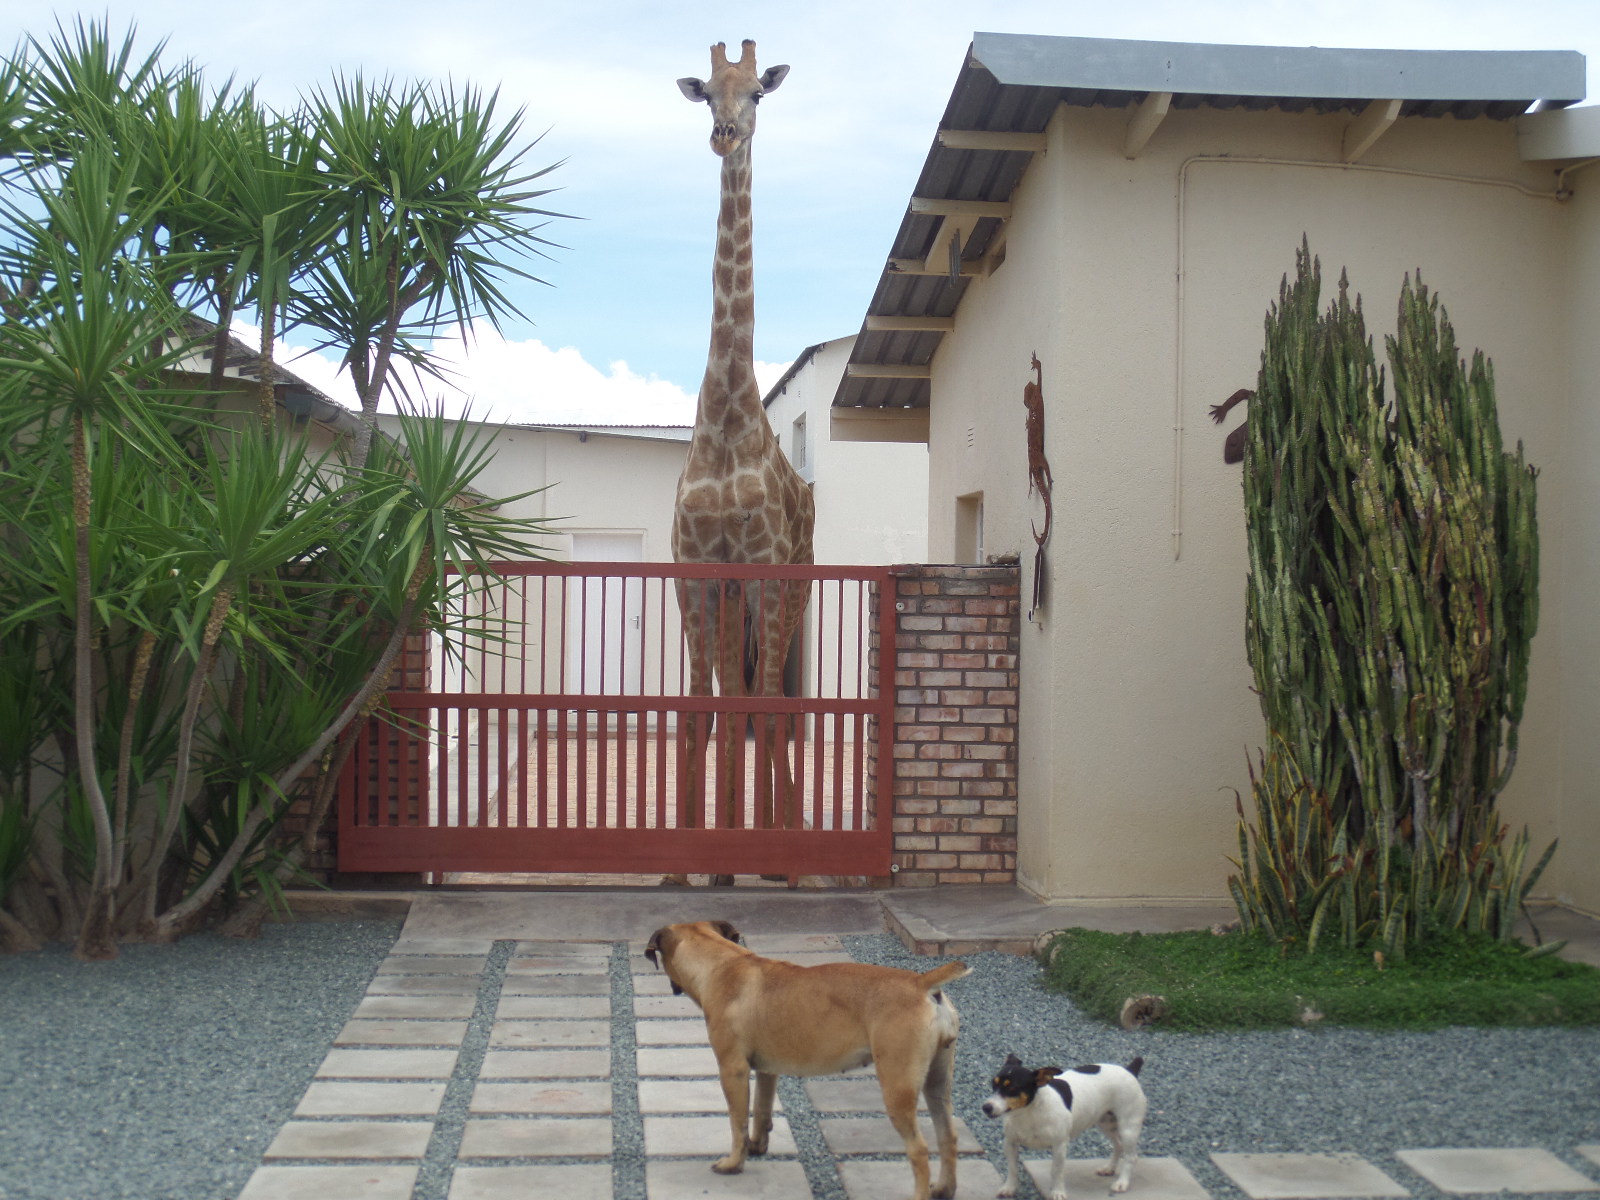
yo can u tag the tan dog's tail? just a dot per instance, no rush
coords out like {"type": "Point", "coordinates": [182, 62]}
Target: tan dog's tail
{"type": "Point", "coordinates": [940, 976]}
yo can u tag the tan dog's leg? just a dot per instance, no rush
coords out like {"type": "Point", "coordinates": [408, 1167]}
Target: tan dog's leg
{"type": "Point", "coordinates": [736, 1089]}
{"type": "Point", "coordinates": [761, 1113]}
{"type": "Point", "coordinates": [900, 1101]}
{"type": "Point", "coordinates": [937, 1090]}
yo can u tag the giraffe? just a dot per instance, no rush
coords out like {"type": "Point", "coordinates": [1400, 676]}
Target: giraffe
{"type": "Point", "coordinates": [738, 501]}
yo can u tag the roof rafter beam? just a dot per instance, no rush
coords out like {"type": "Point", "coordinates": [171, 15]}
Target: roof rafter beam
{"type": "Point", "coordinates": [1144, 122]}
{"type": "Point", "coordinates": [918, 266]}
{"type": "Point", "coordinates": [928, 206]}
{"type": "Point", "coordinates": [896, 324]}
{"type": "Point", "coordinates": [887, 371]}
{"type": "Point", "coordinates": [1375, 120]}
{"type": "Point", "coordinates": [986, 139]}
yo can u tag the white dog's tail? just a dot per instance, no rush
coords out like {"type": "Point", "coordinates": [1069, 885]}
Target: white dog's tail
{"type": "Point", "coordinates": [939, 976]}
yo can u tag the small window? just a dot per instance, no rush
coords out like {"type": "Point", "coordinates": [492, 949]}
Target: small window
{"type": "Point", "coordinates": [797, 442]}
{"type": "Point", "coordinates": [969, 528]}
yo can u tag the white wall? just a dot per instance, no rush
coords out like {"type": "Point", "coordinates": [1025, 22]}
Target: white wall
{"type": "Point", "coordinates": [872, 497]}
{"type": "Point", "coordinates": [1142, 286]}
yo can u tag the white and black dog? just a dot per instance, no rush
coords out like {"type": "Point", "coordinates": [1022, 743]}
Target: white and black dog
{"type": "Point", "coordinates": [1046, 1107]}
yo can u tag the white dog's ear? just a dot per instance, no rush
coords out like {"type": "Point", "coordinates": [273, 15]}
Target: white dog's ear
{"type": "Point", "coordinates": [1013, 1061]}
{"type": "Point", "coordinates": [1046, 1073]}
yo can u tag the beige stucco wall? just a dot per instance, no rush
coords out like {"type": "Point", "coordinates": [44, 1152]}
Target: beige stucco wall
{"type": "Point", "coordinates": [1571, 569]}
{"type": "Point", "coordinates": [1142, 285]}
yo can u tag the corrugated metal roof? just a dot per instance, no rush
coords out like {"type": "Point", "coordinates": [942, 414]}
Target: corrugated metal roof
{"type": "Point", "coordinates": [1013, 83]}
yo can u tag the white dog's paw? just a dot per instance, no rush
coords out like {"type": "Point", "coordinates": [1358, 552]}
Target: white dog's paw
{"type": "Point", "coordinates": [1061, 1195]}
{"type": "Point", "coordinates": [1006, 1192]}
{"type": "Point", "coordinates": [1119, 1186]}
{"type": "Point", "coordinates": [1104, 1171]}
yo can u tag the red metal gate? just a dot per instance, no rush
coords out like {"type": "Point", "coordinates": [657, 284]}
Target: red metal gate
{"type": "Point", "coordinates": [557, 736]}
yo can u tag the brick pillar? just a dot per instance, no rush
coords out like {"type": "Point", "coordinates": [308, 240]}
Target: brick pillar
{"type": "Point", "coordinates": [954, 741]}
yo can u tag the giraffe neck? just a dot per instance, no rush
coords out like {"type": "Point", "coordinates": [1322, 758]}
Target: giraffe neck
{"type": "Point", "coordinates": [729, 398]}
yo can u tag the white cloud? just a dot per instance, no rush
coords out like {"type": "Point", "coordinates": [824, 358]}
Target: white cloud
{"type": "Point", "coordinates": [488, 378]}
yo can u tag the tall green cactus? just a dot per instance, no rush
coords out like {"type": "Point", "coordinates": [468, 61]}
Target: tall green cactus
{"type": "Point", "coordinates": [1393, 594]}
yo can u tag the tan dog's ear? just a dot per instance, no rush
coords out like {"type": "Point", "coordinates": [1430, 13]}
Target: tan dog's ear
{"type": "Point", "coordinates": [726, 929]}
{"type": "Point", "coordinates": [653, 946]}
{"type": "Point", "coordinates": [1045, 1074]}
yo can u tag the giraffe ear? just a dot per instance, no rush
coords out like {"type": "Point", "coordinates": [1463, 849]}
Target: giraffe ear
{"type": "Point", "coordinates": [770, 78]}
{"type": "Point", "coordinates": [695, 89]}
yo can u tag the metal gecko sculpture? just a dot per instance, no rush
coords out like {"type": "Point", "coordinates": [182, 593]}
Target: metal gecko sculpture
{"type": "Point", "coordinates": [1039, 476]}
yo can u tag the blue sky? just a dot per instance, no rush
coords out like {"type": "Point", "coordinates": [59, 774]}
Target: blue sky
{"type": "Point", "coordinates": [620, 333]}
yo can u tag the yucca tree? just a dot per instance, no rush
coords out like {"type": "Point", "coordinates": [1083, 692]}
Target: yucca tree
{"type": "Point", "coordinates": [433, 209]}
{"type": "Point", "coordinates": [194, 617]}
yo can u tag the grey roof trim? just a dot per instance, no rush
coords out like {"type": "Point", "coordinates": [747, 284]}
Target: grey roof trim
{"type": "Point", "coordinates": [1107, 64]}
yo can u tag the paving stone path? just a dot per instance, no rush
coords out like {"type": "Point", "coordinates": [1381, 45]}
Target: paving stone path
{"type": "Point", "coordinates": [516, 1070]}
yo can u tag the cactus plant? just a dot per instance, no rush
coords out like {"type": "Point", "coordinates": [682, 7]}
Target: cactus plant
{"type": "Point", "coordinates": [1393, 596]}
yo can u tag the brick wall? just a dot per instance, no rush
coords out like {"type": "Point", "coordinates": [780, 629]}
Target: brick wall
{"type": "Point", "coordinates": [954, 740]}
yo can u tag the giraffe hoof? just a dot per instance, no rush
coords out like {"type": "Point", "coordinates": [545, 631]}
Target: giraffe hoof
{"type": "Point", "coordinates": [674, 881]}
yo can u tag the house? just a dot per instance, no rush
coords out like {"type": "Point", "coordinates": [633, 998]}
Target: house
{"type": "Point", "coordinates": [1125, 210]}
{"type": "Point", "coordinates": [872, 496]}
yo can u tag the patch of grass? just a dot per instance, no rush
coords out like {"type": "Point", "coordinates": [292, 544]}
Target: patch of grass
{"type": "Point", "coordinates": [1242, 981]}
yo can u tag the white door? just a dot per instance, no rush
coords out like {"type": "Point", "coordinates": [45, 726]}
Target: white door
{"type": "Point", "coordinates": [605, 638]}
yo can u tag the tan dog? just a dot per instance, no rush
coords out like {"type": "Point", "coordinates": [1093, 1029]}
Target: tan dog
{"type": "Point", "coordinates": [777, 1018]}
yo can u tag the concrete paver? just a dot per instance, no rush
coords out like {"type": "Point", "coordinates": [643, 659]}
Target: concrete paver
{"type": "Point", "coordinates": [876, 1135]}
{"type": "Point", "coordinates": [351, 1139]}
{"type": "Point", "coordinates": [401, 1033]}
{"type": "Point", "coordinates": [570, 1181]}
{"type": "Point", "coordinates": [975, 1179]}
{"type": "Point", "coordinates": [857, 1093]}
{"type": "Point", "coordinates": [673, 1061]}
{"type": "Point", "coordinates": [1153, 1179]}
{"type": "Point", "coordinates": [706, 1138]}
{"type": "Point", "coordinates": [1512, 1169]}
{"type": "Point", "coordinates": [557, 966]}
{"type": "Point", "coordinates": [553, 1007]}
{"type": "Point", "coordinates": [580, 1137]}
{"type": "Point", "coordinates": [1305, 1176]}
{"type": "Point", "coordinates": [384, 1008]}
{"type": "Point", "coordinates": [346, 1098]}
{"type": "Point", "coordinates": [546, 1064]}
{"type": "Point", "coordinates": [590, 983]}
{"type": "Point", "coordinates": [424, 985]}
{"type": "Point", "coordinates": [761, 1179]}
{"type": "Point", "coordinates": [1592, 1153]}
{"type": "Point", "coordinates": [548, 1096]}
{"type": "Point", "coordinates": [671, 1033]}
{"type": "Point", "coordinates": [685, 1096]}
{"type": "Point", "coordinates": [388, 1064]}
{"type": "Point", "coordinates": [366, 1182]}
{"type": "Point", "coordinates": [550, 1033]}
{"type": "Point", "coordinates": [431, 964]}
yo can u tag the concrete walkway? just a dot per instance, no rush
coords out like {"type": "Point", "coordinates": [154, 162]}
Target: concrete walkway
{"type": "Point", "coordinates": [518, 1045]}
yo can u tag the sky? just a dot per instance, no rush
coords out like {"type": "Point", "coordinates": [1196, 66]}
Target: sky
{"type": "Point", "coordinates": [617, 329]}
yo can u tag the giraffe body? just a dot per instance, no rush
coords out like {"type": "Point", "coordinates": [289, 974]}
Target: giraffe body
{"type": "Point", "coordinates": [739, 501]}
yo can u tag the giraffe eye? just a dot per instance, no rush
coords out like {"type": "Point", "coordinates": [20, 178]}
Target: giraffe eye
{"type": "Point", "coordinates": [756, 99]}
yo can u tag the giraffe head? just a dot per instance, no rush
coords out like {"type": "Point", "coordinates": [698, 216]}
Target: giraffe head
{"type": "Point", "coordinates": [733, 91]}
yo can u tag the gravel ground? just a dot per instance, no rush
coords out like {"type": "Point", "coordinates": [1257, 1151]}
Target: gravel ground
{"type": "Point", "coordinates": [1311, 1091]}
{"type": "Point", "coordinates": [166, 1073]}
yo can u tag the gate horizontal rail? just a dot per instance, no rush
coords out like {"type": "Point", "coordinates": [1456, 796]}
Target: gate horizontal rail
{"type": "Point", "coordinates": [561, 735]}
